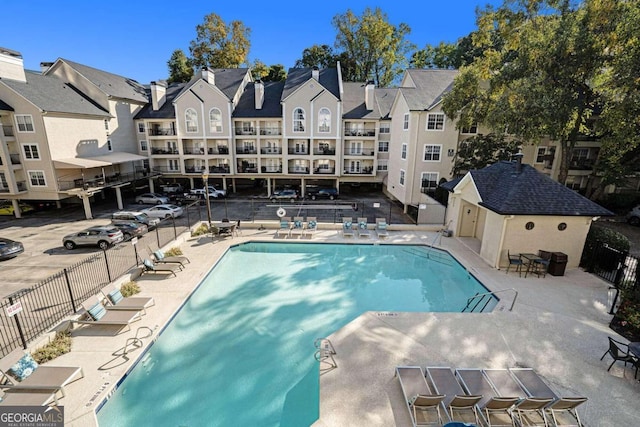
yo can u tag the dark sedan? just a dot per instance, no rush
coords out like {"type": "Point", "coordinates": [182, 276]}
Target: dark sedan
{"type": "Point", "coordinates": [10, 248]}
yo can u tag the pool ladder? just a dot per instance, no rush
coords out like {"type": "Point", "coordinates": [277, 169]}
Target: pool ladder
{"type": "Point", "coordinates": [324, 354]}
{"type": "Point", "coordinates": [478, 302]}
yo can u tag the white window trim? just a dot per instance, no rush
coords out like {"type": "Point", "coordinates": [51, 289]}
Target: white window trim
{"type": "Point", "coordinates": [24, 151]}
{"type": "Point", "coordinates": [303, 121]}
{"type": "Point", "coordinates": [405, 122]}
{"type": "Point", "coordinates": [403, 151]}
{"type": "Point", "coordinates": [109, 145]}
{"type": "Point", "coordinates": [402, 178]}
{"type": "Point", "coordinates": [33, 128]}
{"type": "Point", "coordinates": [328, 113]}
{"type": "Point", "coordinates": [422, 175]}
{"type": "Point", "coordinates": [44, 178]}
{"type": "Point", "coordinates": [540, 151]}
{"type": "Point", "coordinates": [212, 128]}
{"type": "Point", "coordinates": [444, 120]}
{"type": "Point", "coordinates": [144, 145]}
{"type": "Point", "coordinates": [424, 153]}
{"type": "Point", "coordinates": [462, 130]}
{"type": "Point", "coordinates": [187, 121]}
{"type": "Point", "coordinates": [387, 146]}
{"type": "Point", "coordinates": [383, 165]}
{"type": "Point", "coordinates": [142, 127]}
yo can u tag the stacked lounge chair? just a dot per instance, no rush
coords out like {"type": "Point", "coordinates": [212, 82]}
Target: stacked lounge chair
{"type": "Point", "coordinates": [460, 405]}
{"type": "Point", "coordinates": [424, 406]}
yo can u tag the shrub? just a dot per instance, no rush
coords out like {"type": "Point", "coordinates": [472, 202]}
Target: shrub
{"type": "Point", "coordinates": [202, 229]}
{"type": "Point", "coordinates": [173, 252]}
{"type": "Point", "coordinates": [598, 236]}
{"type": "Point", "coordinates": [129, 288]}
{"type": "Point", "coordinates": [60, 345]}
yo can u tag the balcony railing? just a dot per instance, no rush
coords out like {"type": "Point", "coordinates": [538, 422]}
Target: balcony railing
{"type": "Point", "coordinates": [300, 170]}
{"type": "Point", "coordinates": [8, 130]}
{"type": "Point", "coordinates": [364, 152]}
{"type": "Point", "coordinates": [298, 152]}
{"type": "Point", "coordinates": [324, 171]}
{"type": "Point", "coordinates": [326, 152]}
{"type": "Point", "coordinates": [220, 169]}
{"type": "Point", "coordinates": [245, 131]}
{"type": "Point", "coordinates": [364, 171]}
{"type": "Point", "coordinates": [246, 150]}
{"type": "Point", "coordinates": [198, 151]}
{"type": "Point", "coordinates": [582, 164]}
{"type": "Point", "coordinates": [271, 169]}
{"type": "Point", "coordinates": [15, 159]}
{"type": "Point", "coordinates": [162, 132]}
{"type": "Point", "coordinates": [360, 132]}
{"type": "Point", "coordinates": [272, 150]}
{"type": "Point", "coordinates": [163, 151]}
{"type": "Point", "coordinates": [271, 131]}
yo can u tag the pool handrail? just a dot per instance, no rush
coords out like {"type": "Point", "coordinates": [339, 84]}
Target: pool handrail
{"type": "Point", "coordinates": [493, 293]}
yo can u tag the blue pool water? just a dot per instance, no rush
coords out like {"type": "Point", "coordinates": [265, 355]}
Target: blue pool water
{"type": "Point", "coordinates": [240, 351]}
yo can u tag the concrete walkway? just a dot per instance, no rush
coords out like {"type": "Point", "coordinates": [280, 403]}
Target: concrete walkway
{"type": "Point", "coordinates": [559, 327]}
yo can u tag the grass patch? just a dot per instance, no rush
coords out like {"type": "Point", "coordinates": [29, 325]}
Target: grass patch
{"type": "Point", "coordinates": [129, 288]}
{"type": "Point", "coordinates": [201, 230]}
{"type": "Point", "coordinates": [60, 345]}
{"type": "Point", "coordinates": [173, 252]}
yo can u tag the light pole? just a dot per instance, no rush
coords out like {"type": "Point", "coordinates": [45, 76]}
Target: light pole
{"type": "Point", "coordinates": [205, 183]}
{"type": "Point", "coordinates": [226, 213]}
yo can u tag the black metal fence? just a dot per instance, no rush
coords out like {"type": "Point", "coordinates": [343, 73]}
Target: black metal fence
{"type": "Point", "coordinates": [26, 314]}
{"type": "Point", "coordinates": [616, 267]}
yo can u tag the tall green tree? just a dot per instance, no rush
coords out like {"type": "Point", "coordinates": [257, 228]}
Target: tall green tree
{"type": "Point", "coordinates": [483, 150]}
{"type": "Point", "coordinates": [276, 73]}
{"type": "Point", "coordinates": [379, 49]}
{"type": "Point", "coordinates": [220, 45]}
{"type": "Point", "coordinates": [180, 70]}
{"type": "Point", "coordinates": [536, 82]}
{"type": "Point", "coordinates": [259, 70]}
{"type": "Point", "coordinates": [320, 56]}
{"type": "Point", "coordinates": [442, 56]}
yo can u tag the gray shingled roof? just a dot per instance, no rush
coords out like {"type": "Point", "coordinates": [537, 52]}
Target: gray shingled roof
{"type": "Point", "coordinates": [228, 80]}
{"type": "Point", "coordinates": [506, 191]}
{"type": "Point", "coordinates": [51, 94]}
{"type": "Point", "coordinates": [167, 111]}
{"type": "Point", "coordinates": [111, 84]}
{"type": "Point", "coordinates": [384, 98]}
{"type": "Point", "coordinates": [431, 85]}
{"type": "Point", "coordinates": [4, 106]}
{"type": "Point", "coordinates": [298, 76]}
{"type": "Point", "coordinates": [271, 106]}
{"type": "Point", "coordinates": [353, 103]}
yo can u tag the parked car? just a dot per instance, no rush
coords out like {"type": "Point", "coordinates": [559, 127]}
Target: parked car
{"type": "Point", "coordinates": [172, 188]}
{"type": "Point", "coordinates": [130, 229]}
{"type": "Point", "coordinates": [10, 248]}
{"type": "Point", "coordinates": [164, 211]}
{"type": "Point", "coordinates": [292, 195]}
{"type": "Point", "coordinates": [136, 216]}
{"type": "Point", "coordinates": [633, 217]}
{"type": "Point", "coordinates": [322, 193]}
{"type": "Point", "coordinates": [6, 207]}
{"type": "Point", "coordinates": [101, 236]}
{"type": "Point", "coordinates": [152, 199]}
{"type": "Point", "coordinates": [214, 193]}
{"type": "Point", "coordinates": [185, 199]}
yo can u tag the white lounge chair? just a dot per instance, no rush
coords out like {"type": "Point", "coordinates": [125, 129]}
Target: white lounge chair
{"type": "Point", "coordinates": [297, 226]}
{"type": "Point", "coordinates": [285, 226]}
{"type": "Point", "coordinates": [115, 300]}
{"type": "Point", "coordinates": [363, 228]}
{"type": "Point", "coordinates": [347, 227]}
{"type": "Point", "coordinates": [312, 226]}
{"type": "Point", "coordinates": [381, 227]}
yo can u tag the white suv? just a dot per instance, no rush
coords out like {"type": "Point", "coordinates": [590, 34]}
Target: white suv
{"type": "Point", "coordinates": [213, 192]}
{"type": "Point", "coordinates": [135, 216]}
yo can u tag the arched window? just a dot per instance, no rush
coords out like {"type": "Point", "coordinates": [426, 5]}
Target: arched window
{"type": "Point", "coordinates": [191, 120]}
{"type": "Point", "coordinates": [215, 120]}
{"type": "Point", "coordinates": [298, 120]}
{"type": "Point", "coordinates": [324, 120]}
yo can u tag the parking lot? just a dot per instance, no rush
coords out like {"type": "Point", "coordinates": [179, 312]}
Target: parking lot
{"type": "Point", "coordinates": [41, 232]}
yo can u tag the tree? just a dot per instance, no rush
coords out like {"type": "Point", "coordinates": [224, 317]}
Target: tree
{"type": "Point", "coordinates": [218, 45]}
{"type": "Point", "coordinates": [442, 56]}
{"type": "Point", "coordinates": [259, 70]}
{"type": "Point", "coordinates": [379, 50]}
{"type": "Point", "coordinates": [180, 71]}
{"type": "Point", "coordinates": [480, 151]}
{"type": "Point", "coordinates": [320, 56]}
{"type": "Point", "coordinates": [276, 73]}
{"type": "Point", "coordinates": [536, 81]}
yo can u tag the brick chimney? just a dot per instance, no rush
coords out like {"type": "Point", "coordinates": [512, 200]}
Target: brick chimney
{"type": "Point", "coordinates": [259, 94]}
{"type": "Point", "coordinates": [158, 95]}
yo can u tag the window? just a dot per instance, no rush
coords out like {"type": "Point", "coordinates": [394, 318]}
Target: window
{"type": "Point", "coordinates": [354, 166]}
{"type": "Point", "coordinates": [215, 120]}
{"type": "Point", "coordinates": [172, 147]}
{"type": "Point", "coordinates": [405, 124]}
{"type": "Point", "coordinates": [451, 152]}
{"type": "Point", "coordinates": [402, 177]}
{"type": "Point", "coordinates": [580, 154]}
{"type": "Point", "coordinates": [355, 148]}
{"type": "Point", "coordinates": [323, 147]}
{"type": "Point", "coordinates": [403, 153]}
{"type": "Point", "coordinates": [141, 127]}
{"type": "Point", "coordinates": [247, 128]}
{"type": "Point", "coordinates": [324, 120]}
{"type": "Point", "coordinates": [429, 182]}
{"type": "Point", "coordinates": [3, 182]}
{"type": "Point", "coordinates": [173, 165]}
{"type": "Point", "coordinates": [24, 122]}
{"type": "Point", "coordinates": [383, 165]}
{"type": "Point", "coordinates": [385, 127]}
{"type": "Point", "coordinates": [473, 129]}
{"type": "Point", "coordinates": [432, 153]}
{"type": "Point", "coordinates": [383, 146]}
{"type": "Point", "coordinates": [435, 121]}
{"type": "Point", "coordinates": [298, 120]}
{"type": "Point", "coordinates": [37, 179]}
{"type": "Point", "coordinates": [31, 151]}
{"type": "Point", "coordinates": [109, 146]}
{"type": "Point", "coordinates": [106, 124]}
{"type": "Point", "coordinates": [143, 146]}
{"type": "Point", "coordinates": [191, 120]}
{"type": "Point", "coordinates": [300, 147]}
{"type": "Point", "coordinates": [540, 154]}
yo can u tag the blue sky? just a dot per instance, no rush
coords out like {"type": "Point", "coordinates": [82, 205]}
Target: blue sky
{"type": "Point", "coordinates": [135, 38]}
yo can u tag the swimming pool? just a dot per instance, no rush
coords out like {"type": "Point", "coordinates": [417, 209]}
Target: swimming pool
{"type": "Point", "coordinates": [240, 351]}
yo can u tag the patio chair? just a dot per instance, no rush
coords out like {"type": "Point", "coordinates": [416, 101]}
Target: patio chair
{"type": "Point", "coordinates": [96, 314]}
{"type": "Point", "coordinates": [541, 265]}
{"type": "Point", "coordinates": [115, 300]}
{"type": "Point", "coordinates": [149, 266]}
{"type": "Point", "coordinates": [19, 372]}
{"type": "Point", "coordinates": [312, 226]}
{"type": "Point", "coordinates": [284, 227]}
{"type": "Point", "coordinates": [563, 411]}
{"type": "Point", "coordinates": [516, 261]}
{"type": "Point", "coordinates": [460, 405]}
{"type": "Point", "coordinates": [363, 228]}
{"type": "Point", "coordinates": [619, 351]}
{"type": "Point", "coordinates": [160, 257]}
{"type": "Point", "coordinates": [423, 405]}
{"type": "Point", "coordinates": [493, 409]}
{"type": "Point", "coordinates": [297, 227]}
{"type": "Point", "coordinates": [12, 397]}
{"type": "Point", "coordinates": [381, 228]}
{"type": "Point", "coordinates": [347, 227]}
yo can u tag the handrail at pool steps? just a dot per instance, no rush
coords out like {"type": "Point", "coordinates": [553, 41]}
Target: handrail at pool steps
{"type": "Point", "coordinates": [324, 354]}
{"type": "Point", "coordinates": [486, 298]}
{"type": "Point", "coordinates": [426, 252]}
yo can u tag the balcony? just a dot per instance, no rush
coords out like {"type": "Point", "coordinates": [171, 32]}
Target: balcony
{"type": "Point", "coordinates": [360, 132]}
{"type": "Point", "coordinates": [368, 170]}
{"type": "Point", "coordinates": [8, 130]}
{"type": "Point", "coordinates": [324, 171]}
{"type": "Point", "coordinates": [162, 132]}
{"type": "Point", "coordinates": [194, 150]}
{"type": "Point", "coordinates": [271, 150]}
{"type": "Point", "coordinates": [246, 150]}
{"type": "Point", "coordinates": [271, 169]}
{"type": "Point", "coordinates": [581, 164]}
{"type": "Point", "coordinates": [163, 151]}
{"type": "Point", "coordinates": [221, 168]}
{"type": "Point", "coordinates": [299, 170]}
{"type": "Point", "coordinates": [245, 131]}
{"type": "Point", "coordinates": [364, 152]}
{"type": "Point", "coordinates": [325, 152]}
{"type": "Point", "coordinates": [298, 152]}
{"type": "Point", "coordinates": [271, 131]}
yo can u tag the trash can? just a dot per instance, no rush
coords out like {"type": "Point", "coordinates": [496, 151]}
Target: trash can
{"type": "Point", "coordinates": [558, 263]}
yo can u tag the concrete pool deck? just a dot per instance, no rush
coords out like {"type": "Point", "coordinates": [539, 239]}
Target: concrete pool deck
{"type": "Point", "coordinates": [559, 327]}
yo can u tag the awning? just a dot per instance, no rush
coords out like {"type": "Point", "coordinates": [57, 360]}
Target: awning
{"type": "Point", "coordinates": [97, 161]}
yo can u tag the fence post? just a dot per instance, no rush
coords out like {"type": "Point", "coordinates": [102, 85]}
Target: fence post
{"type": "Point", "coordinates": [66, 279]}
{"type": "Point", "coordinates": [158, 235]}
{"type": "Point", "coordinates": [175, 232]}
{"type": "Point", "coordinates": [22, 338]}
{"type": "Point", "coordinates": [106, 262]}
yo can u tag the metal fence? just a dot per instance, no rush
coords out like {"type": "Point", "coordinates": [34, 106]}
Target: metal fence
{"type": "Point", "coordinates": [616, 267]}
{"type": "Point", "coordinates": [26, 314]}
